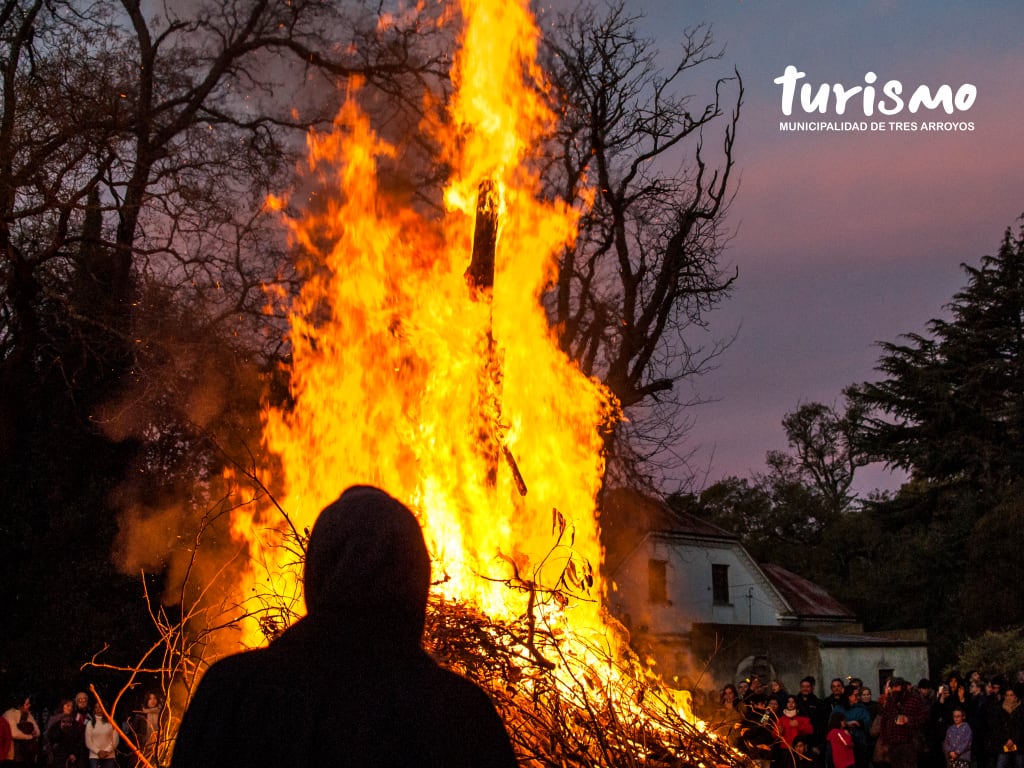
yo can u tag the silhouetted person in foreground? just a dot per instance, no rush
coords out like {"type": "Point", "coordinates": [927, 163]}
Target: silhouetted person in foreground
{"type": "Point", "coordinates": [349, 684]}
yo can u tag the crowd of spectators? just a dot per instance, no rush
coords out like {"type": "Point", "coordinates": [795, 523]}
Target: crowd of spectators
{"type": "Point", "coordinates": [964, 722]}
{"type": "Point", "coordinates": [77, 734]}
{"type": "Point", "coordinates": [961, 723]}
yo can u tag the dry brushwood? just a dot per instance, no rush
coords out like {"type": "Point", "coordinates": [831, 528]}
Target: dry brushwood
{"type": "Point", "coordinates": [570, 712]}
{"type": "Point", "coordinates": [565, 701]}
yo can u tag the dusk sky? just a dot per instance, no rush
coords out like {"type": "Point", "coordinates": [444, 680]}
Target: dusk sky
{"type": "Point", "coordinates": [846, 239]}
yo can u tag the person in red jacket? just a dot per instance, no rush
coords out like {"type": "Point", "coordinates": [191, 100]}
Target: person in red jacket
{"type": "Point", "coordinates": [6, 740]}
{"type": "Point", "coordinates": [840, 742]}
{"type": "Point", "coordinates": [793, 724]}
{"type": "Point", "coordinates": [791, 728]}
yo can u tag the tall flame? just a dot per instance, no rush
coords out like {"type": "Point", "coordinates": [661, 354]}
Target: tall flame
{"type": "Point", "coordinates": [450, 395]}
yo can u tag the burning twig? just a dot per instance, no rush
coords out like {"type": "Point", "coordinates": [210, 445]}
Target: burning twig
{"type": "Point", "coordinates": [569, 713]}
{"type": "Point", "coordinates": [517, 582]}
{"type": "Point", "coordinates": [517, 476]}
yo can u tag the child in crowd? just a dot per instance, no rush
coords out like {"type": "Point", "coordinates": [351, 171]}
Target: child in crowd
{"type": "Point", "coordinates": [957, 744]}
{"type": "Point", "coordinates": [840, 742]}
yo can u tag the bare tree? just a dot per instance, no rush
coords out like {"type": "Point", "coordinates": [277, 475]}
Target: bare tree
{"type": "Point", "coordinates": [138, 142]}
{"type": "Point", "coordinates": [823, 439]}
{"type": "Point", "coordinates": [142, 145]}
{"type": "Point", "coordinates": [646, 267]}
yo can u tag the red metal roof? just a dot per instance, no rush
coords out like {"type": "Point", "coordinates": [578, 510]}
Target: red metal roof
{"type": "Point", "coordinates": [807, 599]}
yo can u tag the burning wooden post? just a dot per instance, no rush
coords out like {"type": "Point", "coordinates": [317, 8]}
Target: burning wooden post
{"type": "Point", "coordinates": [480, 278]}
{"type": "Point", "coordinates": [480, 273]}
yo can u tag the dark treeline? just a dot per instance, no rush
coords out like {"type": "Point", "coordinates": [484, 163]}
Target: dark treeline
{"type": "Point", "coordinates": [943, 552]}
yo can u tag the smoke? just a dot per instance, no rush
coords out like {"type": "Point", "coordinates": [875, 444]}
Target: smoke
{"type": "Point", "coordinates": [627, 519]}
{"type": "Point", "coordinates": [146, 537]}
{"type": "Point", "coordinates": [189, 409]}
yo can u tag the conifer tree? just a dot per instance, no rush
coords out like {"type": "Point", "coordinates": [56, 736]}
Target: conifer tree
{"type": "Point", "coordinates": [950, 408]}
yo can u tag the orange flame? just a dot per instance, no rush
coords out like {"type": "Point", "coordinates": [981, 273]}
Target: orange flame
{"type": "Point", "coordinates": [449, 398]}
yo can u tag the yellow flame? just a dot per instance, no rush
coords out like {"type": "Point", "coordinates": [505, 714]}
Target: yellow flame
{"type": "Point", "coordinates": [405, 377]}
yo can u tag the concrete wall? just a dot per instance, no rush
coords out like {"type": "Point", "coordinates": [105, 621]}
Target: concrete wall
{"type": "Point", "coordinates": [867, 663]}
{"type": "Point", "coordinates": [726, 654]}
{"type": "Point", "coordinates": [731, 652]}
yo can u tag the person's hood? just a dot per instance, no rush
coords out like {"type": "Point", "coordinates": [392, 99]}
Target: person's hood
{"type": "Point", "coordinates": [366, 556]}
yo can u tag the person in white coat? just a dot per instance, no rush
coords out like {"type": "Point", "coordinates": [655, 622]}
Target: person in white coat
{"type": "Point", "coordinates": [101, 740]}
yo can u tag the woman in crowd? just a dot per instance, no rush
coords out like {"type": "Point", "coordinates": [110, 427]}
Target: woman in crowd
{"type": "Point", "coordinates": [728, 717]}
{"type": "Point", "coordinates": [153, 709]}
{"type": "Point", "coordinates": [868, 702]}
{"type": "Point", "coordinates": [61, 734]}
{"type": "Point", "coordinates": [792, 727]}
{"type": "Point", "coordinates": [958, 693]}
{"type": "Point", "coordinates": [24, 732]}
{"type": "Point", "coordinates": [1006, 730]}
{"type": "Point", "coordinates": [101, 739]}
{"type": "Point", "coordinates": [143, 728]}
{"type": "Point", "coordinates": [792, 724]}
{"type": "Point", "coordinates": [857, 720]}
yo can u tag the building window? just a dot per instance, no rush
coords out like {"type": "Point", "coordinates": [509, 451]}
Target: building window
{"type": "Point", "coordinates": [720, 584]}
{"type": "Point", "coordinates": [657, 581]}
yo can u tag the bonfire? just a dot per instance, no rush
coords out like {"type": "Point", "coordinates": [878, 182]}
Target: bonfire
{"type": "Point", "coordinates": [423, 363]}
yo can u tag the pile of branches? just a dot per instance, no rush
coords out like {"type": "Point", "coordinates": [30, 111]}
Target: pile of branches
{"type": "Point", "coordinates": [563, 711]}
{"type": "Point", "coordinates": [565, 701]}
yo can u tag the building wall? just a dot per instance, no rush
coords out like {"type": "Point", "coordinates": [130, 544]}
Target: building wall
{"type": "Point", "coordinates": [869, 663]}
{"type": "Point", "coordinates": [688, 594]}
{"type": "Point", "coordinates": [731, 653]}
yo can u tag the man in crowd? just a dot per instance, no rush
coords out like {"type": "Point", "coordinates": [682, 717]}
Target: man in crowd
{"type": "Point", "coordinates": [903, 717]}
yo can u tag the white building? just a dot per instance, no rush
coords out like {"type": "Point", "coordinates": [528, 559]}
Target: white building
{"type": "Point", "coordinates": [695, 602]}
